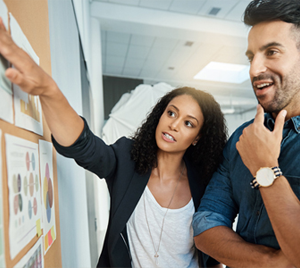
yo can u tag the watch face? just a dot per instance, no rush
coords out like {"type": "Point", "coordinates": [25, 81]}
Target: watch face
{"type": "Point", "coordinates": [265, 177]}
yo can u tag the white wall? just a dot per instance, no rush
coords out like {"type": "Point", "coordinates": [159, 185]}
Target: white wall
{"type": "Point", "coordinates": [65, 62]}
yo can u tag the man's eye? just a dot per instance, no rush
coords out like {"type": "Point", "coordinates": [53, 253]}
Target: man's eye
{"type": "Point", "coordinates": [271, 52]}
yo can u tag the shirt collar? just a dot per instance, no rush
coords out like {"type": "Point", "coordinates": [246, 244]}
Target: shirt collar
{"type": "Point", "coordinates": [294, 122]}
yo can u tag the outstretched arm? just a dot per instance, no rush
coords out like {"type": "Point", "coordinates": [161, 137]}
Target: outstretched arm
{"type": "Point", "coordinates": [63, 121]}
{"type": "Point", "coordinates": [224, 245]}
{"type": "Point", "coordinates": [259, 147]}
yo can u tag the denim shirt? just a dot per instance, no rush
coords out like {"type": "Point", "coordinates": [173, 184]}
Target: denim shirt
{"type": "Point", "coordinates": [229, 192]}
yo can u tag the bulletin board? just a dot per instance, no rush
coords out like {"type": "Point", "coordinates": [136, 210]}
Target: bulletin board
{"type": "Point", "coordinates": [32, 17]}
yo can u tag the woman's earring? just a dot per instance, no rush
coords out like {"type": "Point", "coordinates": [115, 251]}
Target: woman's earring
{"type": "Point", "coordinates": [195, 143]}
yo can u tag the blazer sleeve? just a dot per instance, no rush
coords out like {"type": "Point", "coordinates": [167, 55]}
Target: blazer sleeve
{"type": "Point", "coordinates": [90, 152]}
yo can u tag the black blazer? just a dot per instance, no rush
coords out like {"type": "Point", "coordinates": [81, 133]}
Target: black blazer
{"type": "Point", "coordinates": [125, 186]}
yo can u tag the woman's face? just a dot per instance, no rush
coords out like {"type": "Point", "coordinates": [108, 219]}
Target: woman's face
{"type": "Point", "coordinates": [179, 125]}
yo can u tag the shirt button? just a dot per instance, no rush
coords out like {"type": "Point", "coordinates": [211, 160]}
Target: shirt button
{"type": "Point", "coordinates": [298, 128]}
{"type": "Point", "coordinates": [257, 212]}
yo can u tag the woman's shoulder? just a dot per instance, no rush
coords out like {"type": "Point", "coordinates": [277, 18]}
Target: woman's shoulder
{"type": "Point", "coordinates": [122, 146]}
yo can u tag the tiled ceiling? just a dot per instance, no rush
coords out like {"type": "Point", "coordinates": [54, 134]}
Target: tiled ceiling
{"type": "Point", "coordinates": [172, 40]}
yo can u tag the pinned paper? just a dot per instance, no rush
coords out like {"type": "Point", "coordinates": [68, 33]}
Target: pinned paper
{"type": "Point", "coordinates": [2, 248]}
{"type": "Point", "coordinates": [33, 258]}
{"type": "Point", "coordinates": [6, 107]}
{"type": "Point", "coordinates": [48, 193]}
{"type": "Point", "coordinates": [25, 208]}
{"type": "Point", "coordinates": [28, 109]}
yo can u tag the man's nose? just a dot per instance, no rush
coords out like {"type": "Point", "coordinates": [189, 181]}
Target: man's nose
{"type": "Point", "coordinates": [257, 67]}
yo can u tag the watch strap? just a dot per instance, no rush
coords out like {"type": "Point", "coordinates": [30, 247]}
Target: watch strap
{"type": "Point", "coordinates": [277, 173]}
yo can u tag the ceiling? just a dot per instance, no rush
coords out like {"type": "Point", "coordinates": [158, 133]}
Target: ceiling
{"type": "Point", "coordinates": [172, 40]}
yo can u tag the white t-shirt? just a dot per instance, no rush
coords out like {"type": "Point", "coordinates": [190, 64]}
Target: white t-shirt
{"type": "Point", "coordinates": [177, 245]}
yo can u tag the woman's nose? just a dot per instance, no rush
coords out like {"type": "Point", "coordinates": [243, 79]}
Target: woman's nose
{"type": "Point", "coordinates": [174, 125]}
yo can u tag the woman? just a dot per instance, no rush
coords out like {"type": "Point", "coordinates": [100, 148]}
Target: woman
{"type": "Point", "coordinates": [155, 179]}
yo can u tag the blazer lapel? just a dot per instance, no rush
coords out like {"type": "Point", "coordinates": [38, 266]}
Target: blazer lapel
{"type": "Point", "coordinates": [131, 197]}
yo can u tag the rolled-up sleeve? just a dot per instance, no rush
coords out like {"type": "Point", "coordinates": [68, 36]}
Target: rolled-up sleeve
{"type": "Point", "coordinates": [217, 207]}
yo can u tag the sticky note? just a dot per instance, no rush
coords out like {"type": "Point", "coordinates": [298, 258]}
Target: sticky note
{"type": "Point", "coordinates": [38, 228]}
{"type": "Point", "coordinates": [53, 233]}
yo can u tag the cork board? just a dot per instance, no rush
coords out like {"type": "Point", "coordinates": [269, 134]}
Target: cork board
{"type": "Point", "coordinates": [32, 16]}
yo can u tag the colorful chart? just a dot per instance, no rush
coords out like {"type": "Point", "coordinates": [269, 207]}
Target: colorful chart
{"type": "Point", "coordinates": [17, 183]}
{"type": "Point", "coordinates": [48, 193]}
{"type": "Point", "coordinates": [18, 202]}
{"type": "Point", "coordinates": [32, 208]}
{"type": "Point", "coordinates": [28, 161]}
{"type": "Point", "coordinates": [31, 108]}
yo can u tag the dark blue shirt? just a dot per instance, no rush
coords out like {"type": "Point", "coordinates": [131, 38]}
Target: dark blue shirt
{"type": "Point", "coordinates": [229, 192]}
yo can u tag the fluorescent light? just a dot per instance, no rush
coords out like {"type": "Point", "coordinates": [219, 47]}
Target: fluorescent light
{"type": "Point", "coordinates": [224, 72]}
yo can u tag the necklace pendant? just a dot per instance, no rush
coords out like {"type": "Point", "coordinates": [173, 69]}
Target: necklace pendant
{"type": "Point", "coordinates": [156, 258]}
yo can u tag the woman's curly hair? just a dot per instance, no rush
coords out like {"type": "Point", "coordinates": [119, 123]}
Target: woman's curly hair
{"type": "Point", "coordinates": [206, 155]}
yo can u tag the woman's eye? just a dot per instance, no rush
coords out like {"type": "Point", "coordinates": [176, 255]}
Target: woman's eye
{"type": "Point", "coordinates": [170, 113]}
{"type": "Point", "coordinates": [189, 124]}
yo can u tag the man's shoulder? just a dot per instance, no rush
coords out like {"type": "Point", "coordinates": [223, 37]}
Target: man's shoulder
{"type": "Point", "coordinates": [238, 132]}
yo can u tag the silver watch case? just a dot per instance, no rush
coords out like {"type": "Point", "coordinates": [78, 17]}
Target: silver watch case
{"type": "Point", "coordinates": [265, 177]}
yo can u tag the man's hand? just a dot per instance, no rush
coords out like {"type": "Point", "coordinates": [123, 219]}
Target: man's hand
{"type": "Point", "coordinates": [258, 146]}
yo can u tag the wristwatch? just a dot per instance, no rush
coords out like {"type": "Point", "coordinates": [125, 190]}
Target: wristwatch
{"type": "Point", "coordinates": [265, 177]}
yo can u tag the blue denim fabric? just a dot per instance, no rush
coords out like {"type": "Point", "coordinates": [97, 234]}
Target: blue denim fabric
{"type": "Point", "coordinates": [229, 192]}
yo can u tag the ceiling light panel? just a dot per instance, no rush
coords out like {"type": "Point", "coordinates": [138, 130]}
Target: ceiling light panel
{"type": "Point", "coordinates": [224, 72]}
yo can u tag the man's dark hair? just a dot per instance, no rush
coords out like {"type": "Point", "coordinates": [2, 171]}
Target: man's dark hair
{"type": "Point", "coordinates": [269, 10]}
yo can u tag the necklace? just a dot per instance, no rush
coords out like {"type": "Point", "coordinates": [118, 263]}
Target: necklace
{"type": "Point", "coordinates": [163, 221]}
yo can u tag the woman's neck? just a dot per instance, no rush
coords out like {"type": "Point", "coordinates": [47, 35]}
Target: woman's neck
{"type": "Point", "coordinates": [168, 166]}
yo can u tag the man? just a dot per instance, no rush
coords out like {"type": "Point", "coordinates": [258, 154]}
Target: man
{"type": "Point", "coordinates": [264, 152]}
